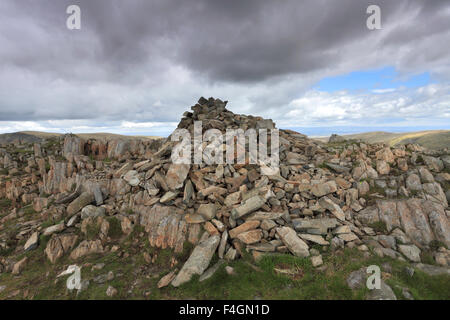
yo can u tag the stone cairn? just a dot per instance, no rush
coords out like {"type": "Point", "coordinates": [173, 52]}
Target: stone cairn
{"type": "Point", "coordinates": [332, 195]}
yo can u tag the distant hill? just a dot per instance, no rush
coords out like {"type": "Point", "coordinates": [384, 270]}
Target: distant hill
{"type": "Point", "coordinates": [435, 139]}
{"type": "Point", "coordinates": [36, 136]}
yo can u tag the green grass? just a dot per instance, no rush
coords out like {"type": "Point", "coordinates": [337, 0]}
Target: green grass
{"type": "Point", "coordinates": [115, 229]}
{"type": "Point", "coordinates": [28, 210]}
{"type": "Point", "coordinates": [92, 231]}
{"type": "Point", "coordinates": [5, 203]}
{"type": "Point", "coordinates": [435, 245]}
{"type": "Point", "coordinates": [134, 277]}
{"type": "Point", "coordinates": [379, 226]}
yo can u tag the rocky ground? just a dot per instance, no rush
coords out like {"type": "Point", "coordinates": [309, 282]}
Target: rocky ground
{"type": "Point", "coordinates": [139, 226]}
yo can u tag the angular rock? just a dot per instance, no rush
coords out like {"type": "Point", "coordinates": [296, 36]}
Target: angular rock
{"type": "Point", "coordinates": [132, 177]}
{"type": "Point", "coordinates": [32, 243]}
{"type": "Point", "coordinates": [198, 261]}
{"type": "Point", "coordinates": [207, 211]}
{"type": "Point", "coordinates": [211, 271]}
{"type": "Point", "coordinates": [92, 211]}
{"type": "Point", "coordinates": [59, 245]}
{"type": "Point", "coordinates": [54, 229]}
{"type": "Point", "coordinates": [295, 245]}
{"type": "Point", "coordinates": [246, 226]}
{"type": "Point", "coordinates": [326, 203]}
{"type": "Point", "coordinates": [315, 226]}
{"type": "Point", "coordinates": [248, 206]}
{"type": "Point", "coordinates": [19, 266]}
{"type": "Point", "coordinates": [79, 203]}
{"type": "Point", "coordinates": [322, 189]}
{"type": "Point", "coordinates": [384, 293]}
{"type": "Point", "coordinates": [249, 237]}
{"type": "Point", "coordinates": [410, 251]}
{"type": "Point", "coordinates": [176, 175]}
{"type": "Point", "coordinates": [166, 280]}
{"type": "Point", "coordinates": [86, 248]}
{"type": "Point", "coordinates": [314, 238]}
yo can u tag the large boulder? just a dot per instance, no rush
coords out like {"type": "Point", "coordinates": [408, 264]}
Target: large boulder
{"type": "Point", "coordinates": [59, 245]}
{"type": "Point", "coordinates": [166, 226]}
{"type": "Point", "coordinates": [422, 220]}
{"type": "Point", "coordinates": [198, 261]}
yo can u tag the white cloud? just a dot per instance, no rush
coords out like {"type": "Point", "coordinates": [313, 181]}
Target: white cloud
{"type": "Point", "coordinates": [429, 104]}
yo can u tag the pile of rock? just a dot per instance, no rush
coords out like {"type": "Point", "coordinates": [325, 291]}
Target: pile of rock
{"type": "Point", "coordinates": [391, 201]}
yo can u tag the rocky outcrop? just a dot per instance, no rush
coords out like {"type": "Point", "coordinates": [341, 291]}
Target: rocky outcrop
{"type": "Point", "coordinates": [166, 226]}
{"type": "Point", "coordinates": [386, 201]}
{"type": "Point", "coordinates": [59, 245]}
{"type": "Point", "coordinates": [422, 220]}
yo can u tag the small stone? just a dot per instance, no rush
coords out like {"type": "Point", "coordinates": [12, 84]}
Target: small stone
{"type": "Point", "coordinates": [166, 279]}
{"type": "Point", "coordinates": [19, 266]}
{"type": "Point", "coordinates": [54, 229]}
{"type": "Point", "coordinates": [251, 236]}
{"type": "Point", "coordinates": [132, 178]}
{"type": "Point", "coordinates": [316, 260]}
{"type": "Point", "coordinates": [248, 206]}
{"type": "Point", "coordinates": [410, 251]}
{"type": "Point", "coordinates": [32, 242]}
{"type": "Point", "coordinates": [198, 261]}
{"type": "Point", "coordinates": [246, 226]}
{"type": "Point", "coordinates": [211, 271]}
{"type": "Point", "coordinates": [322, 189]}
{"type": "Point", "coordinates": [409, 271]}
{"type": "Point", "coordinates": [92, 211]}
{"type": "Point", "coordinates": [209, 227]}
{"type": "Point", "coordinates": [207, 211]}
{"type": "Point", "coordinates": [314, 238]}
{"type": "Point", "coordinates": [229, 270]}
{"type": "Point", "coordinates": [111, 291]}
{"type": "Point", "coordinates": [168, 196]}
{"type": "Point", "coordinates": [357, 279]}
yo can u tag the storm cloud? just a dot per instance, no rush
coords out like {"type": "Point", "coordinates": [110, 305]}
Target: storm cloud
{"type": "Point", "coordinates": [147, 61]}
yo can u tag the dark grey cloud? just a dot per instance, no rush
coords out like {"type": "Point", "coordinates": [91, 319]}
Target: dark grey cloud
{"type": "Point", "coordinates": [135, 60]}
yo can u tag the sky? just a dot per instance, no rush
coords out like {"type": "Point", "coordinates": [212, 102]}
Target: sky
{"type": "Point", "coordinates": [136, 66]}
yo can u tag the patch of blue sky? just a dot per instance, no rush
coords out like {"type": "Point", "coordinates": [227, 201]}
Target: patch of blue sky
{"type": "Point", "coordinates": [381, 80]}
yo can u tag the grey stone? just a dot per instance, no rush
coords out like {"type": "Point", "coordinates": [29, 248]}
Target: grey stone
{"type": "Point", "coordinates": [250, 205]}
{"type": "Point", "coordinates": [295, 245]}
{"type": "Point", "coordinates": [410, 251]}
{"type": "Point", "coordinates": [384, 293]}
{"type": "Point", "coordinates": [211, 271]}
{"type": "Point", "coordinates": [198, 261]}
{"type": "Point", "coordinates": [432, 270]}
{"type": "Point", "coordinates": [32, 243]}
{"type": "Point", "coordinates": [92, 211]}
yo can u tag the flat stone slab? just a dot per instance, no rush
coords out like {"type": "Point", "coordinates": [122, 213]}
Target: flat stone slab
{"type": "Point", "coordinates": [198, 261]}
